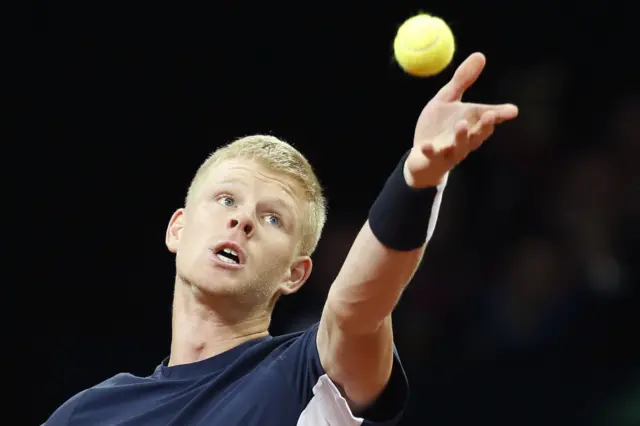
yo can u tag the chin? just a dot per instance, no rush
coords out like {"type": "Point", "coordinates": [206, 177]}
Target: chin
{"type": "Point", "coordinates": [219, 282]}
{"type": "Point", "coordinates": [210, 276]}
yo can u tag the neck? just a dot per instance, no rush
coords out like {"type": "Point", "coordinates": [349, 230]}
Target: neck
{"type": "Point", "coordinates": [202, 330]}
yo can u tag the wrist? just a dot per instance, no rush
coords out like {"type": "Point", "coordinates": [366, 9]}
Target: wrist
{"type": "Point", "coordinates": [403, 217]}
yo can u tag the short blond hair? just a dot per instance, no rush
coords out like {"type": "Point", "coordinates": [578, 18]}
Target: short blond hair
{"type": "Point", "coordinates": [280, 157]}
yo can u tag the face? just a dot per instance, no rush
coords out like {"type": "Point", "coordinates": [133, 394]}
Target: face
{"type": "Point", "coordinates": [239, 234]}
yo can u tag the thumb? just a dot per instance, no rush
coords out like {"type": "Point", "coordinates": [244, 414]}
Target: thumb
{"type": "Point", "coordinates": [466, 74]}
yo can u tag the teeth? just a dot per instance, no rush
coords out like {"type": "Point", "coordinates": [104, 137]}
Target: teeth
{"type": "Point", "coordinates": [225, 259]}
{"type": "Point", "coordinates": [230, 251]}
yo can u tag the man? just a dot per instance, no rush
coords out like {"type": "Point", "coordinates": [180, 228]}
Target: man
{"type": "Point", "coordinates": [252, 217]}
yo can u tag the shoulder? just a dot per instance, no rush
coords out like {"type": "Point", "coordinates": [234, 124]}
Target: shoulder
{"type": "Point", "coordinates": [299, 361]}
{"type": "Point", "coordinates": [63, 414]}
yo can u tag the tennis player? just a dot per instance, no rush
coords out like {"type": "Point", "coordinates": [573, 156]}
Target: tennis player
{"type": "Point", "coordinates": [252, 217]}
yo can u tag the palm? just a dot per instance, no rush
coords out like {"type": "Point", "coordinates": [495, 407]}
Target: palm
{"type": "Point", "coordinates": [448, 129]}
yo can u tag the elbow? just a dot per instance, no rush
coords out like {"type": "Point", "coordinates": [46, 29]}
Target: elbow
{"type": "Point", "coordinates": [356, 318]}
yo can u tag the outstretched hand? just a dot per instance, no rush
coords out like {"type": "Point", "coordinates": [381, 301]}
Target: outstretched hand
{"type": "Point", "coordinates": [448, 129]}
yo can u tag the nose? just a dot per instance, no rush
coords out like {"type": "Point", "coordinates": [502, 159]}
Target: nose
{"type": "Point", "coordinates": [244, 223]}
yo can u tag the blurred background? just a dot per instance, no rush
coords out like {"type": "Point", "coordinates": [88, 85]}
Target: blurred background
{"type": "Point", "coordinates": [525, 310]}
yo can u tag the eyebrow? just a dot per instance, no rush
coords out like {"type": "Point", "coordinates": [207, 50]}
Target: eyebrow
{"type": "Point", "coordinates": [275, 201]}
{"type": "Point", "coordinates": [280, 203]}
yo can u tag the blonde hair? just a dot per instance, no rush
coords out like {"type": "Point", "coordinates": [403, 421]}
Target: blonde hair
{"type": "Point", "coordinates": [280, 157]}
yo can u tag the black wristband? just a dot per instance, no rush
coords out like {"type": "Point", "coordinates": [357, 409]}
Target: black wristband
{"type": "Point", "coordinates": [401, 217]}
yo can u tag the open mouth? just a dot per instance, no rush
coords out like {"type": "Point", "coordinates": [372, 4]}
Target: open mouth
{"type": "Point", "coordinates": [229, 252]}
{"type": "Point", "coordinates": [228, 255]}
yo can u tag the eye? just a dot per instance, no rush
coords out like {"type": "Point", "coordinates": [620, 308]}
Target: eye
{"type": "Point", "coordinates": [226, 201]}
{"type": "Point", "coordinates": [273, 220]}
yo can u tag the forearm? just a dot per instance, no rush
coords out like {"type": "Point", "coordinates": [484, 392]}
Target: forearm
{"type": "Point", "coordinates": [370, 282]}
{"type": "Point", "coordinates": [385, 254]}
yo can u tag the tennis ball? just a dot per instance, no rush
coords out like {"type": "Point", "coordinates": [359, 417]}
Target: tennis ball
{"type": "Point", "coordinates": [424, 45]}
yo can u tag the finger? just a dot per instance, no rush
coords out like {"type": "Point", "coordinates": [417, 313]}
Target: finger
{"type": "Point", "coordinates": [476, 140]}
{"type": "Point", "coordinates": [462, 130]}
{"type": "Point", "coordinates": [466, 74]}
{"type": "Point", "coordinates": [462, 145]}
{"type": "Point", "coordinates": [487, 119]}
{"type": "Point", "coordinates": [460, 148]}
{"type": "Point", "coordinates": [427, 149]}
{"type": "Point", "coordinates": [482, 130]}
{"type": "Point", "coordinates": [448, 153]}
{"type": "Point", "coordinates": [503, 112]}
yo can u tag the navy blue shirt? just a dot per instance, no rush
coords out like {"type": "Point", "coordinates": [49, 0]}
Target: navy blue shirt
{"type": "Point", "coordinates": [271, 381]}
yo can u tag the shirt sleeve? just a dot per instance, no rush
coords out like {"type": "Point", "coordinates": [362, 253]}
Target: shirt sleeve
{"type": "Point", "coordinates": [62, 416]}
{"type": "Point", "coordinates": [323, 403]}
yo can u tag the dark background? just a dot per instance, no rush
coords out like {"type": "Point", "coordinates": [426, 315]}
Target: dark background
{"type": "Point", "coordinates": [525, 310]}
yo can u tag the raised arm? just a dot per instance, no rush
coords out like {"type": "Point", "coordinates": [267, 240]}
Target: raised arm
{"type": "Point", "coordinates": [355, 338]}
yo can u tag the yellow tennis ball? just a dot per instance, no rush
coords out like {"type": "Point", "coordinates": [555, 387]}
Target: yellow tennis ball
{"type": "Point", "coordinates": [424, 45]}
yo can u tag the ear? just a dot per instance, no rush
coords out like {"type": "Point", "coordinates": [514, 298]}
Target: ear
{"type": "Point", "coordinates": [297, 276]}
{"type": "Point", "coordinates": [174, 230]}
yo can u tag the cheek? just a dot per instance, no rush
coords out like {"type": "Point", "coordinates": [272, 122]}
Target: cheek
{"type": "Point", "coordinates": [279, 251]}
{"type": "Point", "coordinates": [193, 238]}
{"type": "Point", "coordinates": [192, 250]}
